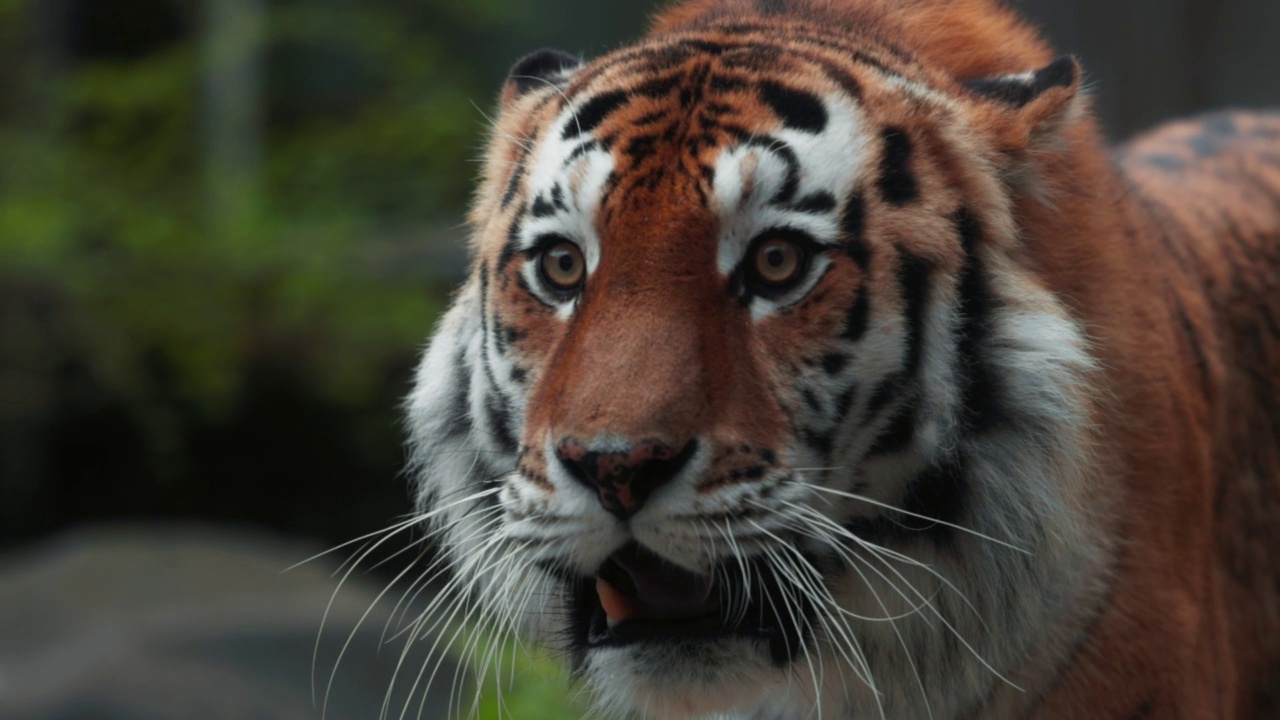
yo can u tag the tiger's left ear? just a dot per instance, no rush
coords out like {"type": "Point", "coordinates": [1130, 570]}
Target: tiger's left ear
{"type": "Point", "coordinates": [1029, 110]}
{"type": "Point", "coordinates": [539, 69]}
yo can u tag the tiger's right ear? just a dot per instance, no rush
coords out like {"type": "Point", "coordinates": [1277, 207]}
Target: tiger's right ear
{"type": "Point", "coordinates": [538, 69]}
{"type": "Point", "coordinates": [1029, 110]}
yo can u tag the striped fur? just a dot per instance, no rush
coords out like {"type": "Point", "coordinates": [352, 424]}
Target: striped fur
{"type": "Point", "coordinates": [1009, 445]}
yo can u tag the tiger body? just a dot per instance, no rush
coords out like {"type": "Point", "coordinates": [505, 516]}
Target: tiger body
{"type": "Point", "coordinates": [820, 361]}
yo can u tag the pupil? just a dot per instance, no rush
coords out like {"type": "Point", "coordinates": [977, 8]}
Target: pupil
{"type": "Point", "coordinates": [775, 257]}
{"type": "Point", "coordinates": [566, 263]}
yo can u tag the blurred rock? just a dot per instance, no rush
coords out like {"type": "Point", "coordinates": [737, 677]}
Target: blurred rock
{"type": "Point", "coordinates": [196, 623]}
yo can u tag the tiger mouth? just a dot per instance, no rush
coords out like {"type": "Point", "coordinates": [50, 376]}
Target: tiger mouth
{"type": "Point", "coordinates": [637, 597]}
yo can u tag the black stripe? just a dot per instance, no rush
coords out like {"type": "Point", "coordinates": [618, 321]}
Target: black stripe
{"type": "Point", "coordinates": [817, 203]}
{"type": "Point", "coordinates": [459, 421]}
{"type": "Point", "coordinates": [723, 83]}
{"type": "Point", "coordinates": [833, 363]}
{"type": "Point", "coordinates": [853, 223]}
{"type": "Point", "coordinates": [845, 401]}
{"type": "Point", "coordinates": [822, 442]}
{"type": "Point", "coordinates": [914, 275]}
{"type": "Point", "coordinates": [542, 208]}
{"type": "Point", "coordinates": [641, 147]}
{"type": "Point", "coordinates": [837, 75]}
{"type": "Point", "coordinates": [594, 112]}
{"type": "Point", "coordinates": [764, 58]}
{"type": "Point", "coordinates": [940, 493]}
{"type": "Point", "coordinates": [649, 118]}
{"type": "Point", "coordinates": [887, 390]}
{"type": "Point", "coordinates": [791, 184]}
{"type": "Point", "coordinates": [580, 150]}
{"type": "Point", "coordinates": [658, 87]}
{"type": "Point", "coordinates": [981, 393]}
{"type": "Point", "coordinates": [512, 246]}
{"type": "Point", "coordinates": [706, 46]}
{"type": "Point", "coordinates": [811, 399]}
{"type": "Point", "coordinates": [499, 334]}
{"type": "Point", "coordinates": [898, 435]}
{"type": "Point", "coordinates": [513, 185]}
{"type": "Point", "coordinates": [661, 54]}
{"type": "Point", "coordinates": [498, 419]}
{"type": "Point", "coordinates": [496, 413]}
{"type": "Point", "coordinates": [860, 254]}
{"type": "Point", "coordinates": [855, 323]}
{"type": "Point", "coordinates": [798, 110]}
{"type": "Point", "coordinates": [897, 184]}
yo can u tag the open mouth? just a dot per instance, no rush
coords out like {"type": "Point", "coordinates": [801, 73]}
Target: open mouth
{"type": "Point", "coordinates": [637, 597]}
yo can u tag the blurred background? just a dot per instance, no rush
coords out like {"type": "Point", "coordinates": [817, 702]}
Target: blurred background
{"type": "Point", "coordinates": [226, 228]}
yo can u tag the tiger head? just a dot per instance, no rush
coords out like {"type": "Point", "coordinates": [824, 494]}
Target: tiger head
{"type": "Point", "coordinates": [753, 400]}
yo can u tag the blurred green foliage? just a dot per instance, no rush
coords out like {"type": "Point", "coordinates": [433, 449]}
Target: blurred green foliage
{"type": "Point", "coordinates": [105, 201]}
{"type": "Point", "coordinates": [372, 112]}
{"type": "Point", "coordinates": [527, 683]}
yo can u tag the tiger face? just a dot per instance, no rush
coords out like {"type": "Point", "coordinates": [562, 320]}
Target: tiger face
{"type": "Point", "coordinates": [752, 403]}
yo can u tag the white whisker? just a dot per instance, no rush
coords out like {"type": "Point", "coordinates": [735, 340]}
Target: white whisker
{"type": "Point", "coordinates": [908, 513]}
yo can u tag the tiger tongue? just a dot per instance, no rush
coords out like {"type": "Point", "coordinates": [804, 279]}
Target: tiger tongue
{"type": "Point", "coordinates": [617, 607]}
{"type": "Point", "coordinates": [661, 591]}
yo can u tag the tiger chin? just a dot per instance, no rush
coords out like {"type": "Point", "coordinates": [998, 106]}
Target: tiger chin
{"type": "Point", "coordinates": [818, 359]}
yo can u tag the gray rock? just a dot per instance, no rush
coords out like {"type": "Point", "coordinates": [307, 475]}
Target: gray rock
{"type": "Point", "coordinates": [196, 623]}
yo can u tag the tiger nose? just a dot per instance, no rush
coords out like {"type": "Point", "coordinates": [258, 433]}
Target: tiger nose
{"type": "Point", "coordinates": [624, 479]}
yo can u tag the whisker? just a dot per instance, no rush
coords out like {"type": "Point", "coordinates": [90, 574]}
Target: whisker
{"type": "Point", "coordinates": [876, 550]}
{"type": "Point", "coordinates": [887, 506]}
{"type": "Point", "coordinates": [852, 562]}
{"type": "Point", "coordinates": [350, 636]}
{"type": "Point", "coordinates": [813, 583]}
{"type": "Point", "coordinates": [408, 522]}
{"type": "Point", "coordinates": [446, 595]}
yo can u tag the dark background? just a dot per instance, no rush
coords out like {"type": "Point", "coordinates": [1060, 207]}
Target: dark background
{"type": "Point", "coordinates": [227, 226]}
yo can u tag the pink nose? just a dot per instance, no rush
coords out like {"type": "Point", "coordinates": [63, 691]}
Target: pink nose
{"type": "Point", "coordinates": [624, 479]}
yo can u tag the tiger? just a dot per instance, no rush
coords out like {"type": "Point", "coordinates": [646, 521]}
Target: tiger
{"type": "Point", "coordinates": [820, 359]}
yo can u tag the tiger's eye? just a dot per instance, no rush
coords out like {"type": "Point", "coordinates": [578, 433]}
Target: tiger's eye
{"type": "Point", "coordinates": [778, 261]}
{"type": "Point", "coordinates": [563, 266]}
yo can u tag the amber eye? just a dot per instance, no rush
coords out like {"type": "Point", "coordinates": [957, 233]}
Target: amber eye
{"type": "Point", "coordinates": [778, 261]}
{"type": "Point", "coordinates": [563, 266]}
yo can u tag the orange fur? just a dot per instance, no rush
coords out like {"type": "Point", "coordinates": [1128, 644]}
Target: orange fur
{"type": "Point", "coordinates": [1168, 254]}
